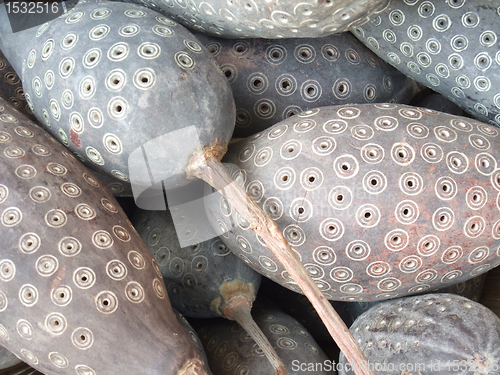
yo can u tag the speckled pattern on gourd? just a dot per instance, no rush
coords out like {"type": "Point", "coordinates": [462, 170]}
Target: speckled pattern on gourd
{"type": "Point", "coordinates": [193, 275]}
{"type": "Point", "coordinates": [79, 290]}
{"type": "Point", "coordinates": [265, 19]}
{"type": "Point", "coordinates": [379, 200]}
{"type": "Point", "coordinates": [110, 76]}
{"type": "Point", "coordinates": [11, 88]}
{"type": "Point", "coordinates": [231, 351]}
{"type": "Point", "coordinates": [449, 46]}
{"type": "Point", "coordinates": [432, 333]}
{"type": "Point", "coordinates": [275, 79]}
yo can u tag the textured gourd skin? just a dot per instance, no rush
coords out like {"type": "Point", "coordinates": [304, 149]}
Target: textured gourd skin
{"type": "Point", "coordinates": [274, 79]}
{"type": "Point", "coordinates": [264, 19]}
{"type": "Point", "coordinates": [79, 290]}
{"type": "Point", "coordinates": [449, 46]}
{"type": "Point", "coordinates": [110, 76]}
{"type": "Point", "coordinates": [378, 200]}
{"type": "Point", "coordinates": [470, 289]}
{"type": "Point", "coordinates": [11, 87]}
{"type": "Point", "coordinates": [441, 333]}
{"type": "Point", "coordinates": [193, 275]}
{"type": "Point", "coordinates": [12, 91]}
{"type": "Point", "coordinates": [231, 351]}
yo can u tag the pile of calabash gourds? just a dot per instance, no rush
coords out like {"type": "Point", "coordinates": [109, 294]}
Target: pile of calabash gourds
{"type": "Point", "coordinates": [258, 139]}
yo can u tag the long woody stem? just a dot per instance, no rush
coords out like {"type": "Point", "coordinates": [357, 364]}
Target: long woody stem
{"type": "Point", "coordinates": [209, 169]}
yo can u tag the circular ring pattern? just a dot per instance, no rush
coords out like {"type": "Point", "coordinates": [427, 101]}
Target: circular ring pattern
{"type": "Point", "coordinates": [443, 219]}
{"type": "Point", "coordinates": [432, 153]}
{"type": "Point", "coordinates": [106, 302]}
{"type": "Point", "coordinates": [134, 292]}
{"type": "Point", "coordinates": [428, 245]}
{"type": "Point", "coordinates": [407, 212]}
{"type": "Point", "coordinates": [340, 197]}
{"type": "Point", "coordinates": [368, 216]}
{"type": "Point", "coordinates": [56, 323]}
{"type": "Point", "coordinates": [84, 277]}
{"type": "Point", "coordinates": [341, 274]}
{"type": "Point", "coordinates": [372, 153]}
{"type": "Point", "coordinates": [56, 218]}
{"type": "Point", "coordinates": [374, 182]}
{"type": "Point", "coordinates": [29, 243]}
{"type": "Point", "coordinates": [102, 239]}
{"type": "Point", "coordinates": [397, 240]}
{"type": "Point", "coordinates": [82, 338]}
{"type": "Point", "coordinates": [62, 295]}
{"type": "Point", "coordinates": [28, 295]}
{"type": "Point", "coordinates": [136, 260]}
{"type": "Point", "coordinates": [47, 265]}
{"type": "Point", "coordinates": [357, 250]}
{"type": "Point", "coordinates": [116, 270]}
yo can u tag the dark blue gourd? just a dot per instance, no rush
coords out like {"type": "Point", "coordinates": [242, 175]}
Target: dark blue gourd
{"type": "Point", "coordinates": [471, 289]}
{"type": "Point", "coordinates": [204, 280]}
{"type": "Point", "coordinates": [11, 88]}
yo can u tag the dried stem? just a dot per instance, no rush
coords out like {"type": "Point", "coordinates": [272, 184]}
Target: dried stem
{"type": "Point", "coordinates": [208, 167]}
{"type": "Point", "coordinates": [238, 309]}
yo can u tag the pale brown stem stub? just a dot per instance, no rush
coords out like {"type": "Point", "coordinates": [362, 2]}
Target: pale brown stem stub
{"type": "Point", "coordinates": [238, 309]}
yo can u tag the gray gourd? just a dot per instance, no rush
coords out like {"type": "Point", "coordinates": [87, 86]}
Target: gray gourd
{"type": "Point", "coordinates": [230, 350]}
{"type": "Point", "coordinates": [109, 77]}
{"type": "Point", "coordinates": [204, 280]}
{"type": "Point", "coordinates": [76, 280]}
{"type": "Point", "coordinates": [11, 87]}
{"type": "Point", "coordinates": [449, 46]}
{"type": "Point", "coordinates": [265, 19]}
{"type": "Point", "coordinates": [433, 333]}
{"type": "Point", "coordinates": [378, 200]}
{"type": "Point", "coordinates": [275, 79]}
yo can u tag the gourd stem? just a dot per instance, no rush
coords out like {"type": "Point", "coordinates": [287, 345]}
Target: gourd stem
{"type": "Point", "coordinates": [238, 309]}
{"type": "Point", "coordinates": [215, 174]}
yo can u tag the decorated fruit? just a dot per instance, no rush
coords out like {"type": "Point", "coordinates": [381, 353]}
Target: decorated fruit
{"type": "Point", "coordinates": [230, 350]}
{"type": "Point", "coordinates": [79, 290]}
{"type": "Point", "coordinates": [378, 200]}
{"type": "Point", "coordinates": [275, 79]}
{"type": "Point", "coordinates": [433, 333]}
{"type": "Point", "coordinates": [91, 75]}
{"type": "Point", "coordinates": [11, 88]}
{"type": "Point", "coordinates": [471, 289]}
{"type": "Point", "coordinates": [204, 280]}
{"type": "Point", "coordinates": [449, 46]}
{"type": "Point", "coordinates": [264, 19]}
